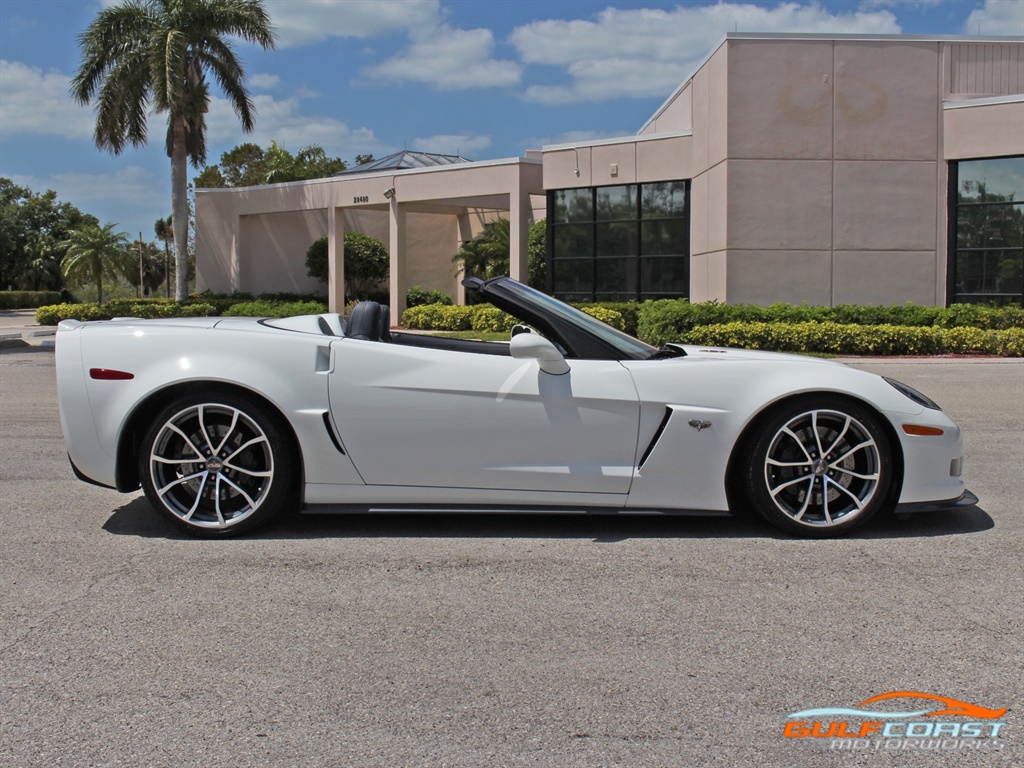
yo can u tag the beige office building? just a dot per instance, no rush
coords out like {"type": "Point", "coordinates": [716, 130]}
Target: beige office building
{"type": "Point", "coordinates": [797, 168]}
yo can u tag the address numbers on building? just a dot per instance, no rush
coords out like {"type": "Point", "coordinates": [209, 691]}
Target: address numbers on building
{"type": "Point", "coordinates": [361, 199]}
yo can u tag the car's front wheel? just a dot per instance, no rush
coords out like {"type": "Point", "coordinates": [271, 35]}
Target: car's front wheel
{"type": "Point", "coordinates": [819, 467]}
{"type": "Point", "coordinates": [216, 464]}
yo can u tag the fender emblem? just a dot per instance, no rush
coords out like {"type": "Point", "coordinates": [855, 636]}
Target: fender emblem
{"type": "Point", "coordinates": [699, 425]}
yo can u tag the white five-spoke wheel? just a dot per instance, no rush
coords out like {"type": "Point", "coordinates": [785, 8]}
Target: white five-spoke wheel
{"type": "Point", "coordinates": [216, 465]}
{"type": "Point", "coordinates": [820, 467]}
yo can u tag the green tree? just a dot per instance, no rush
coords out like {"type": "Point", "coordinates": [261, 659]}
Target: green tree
{"type": "Point", "coordinates": [95, 252]}
{"type": "Point", "coordinates": [537, 248]}
{"type": "Point", "coordinates": [366, 263]}
{"type": "Point", "coordinates": [158, 52]}
{"type": "Point", "coordinates": [164, 231]}
{"type": "Point", "coordinates": [487, 254]}
{"type": "Point", "coordinates": [248, 164]}
{"type": "Point", "coordinates": [33, 231]}
{"type": "Point", "coordinates": [153, 267]}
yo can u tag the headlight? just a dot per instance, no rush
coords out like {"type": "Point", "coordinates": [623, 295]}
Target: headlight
{"type": "Point", "coordinates": [913, 394]}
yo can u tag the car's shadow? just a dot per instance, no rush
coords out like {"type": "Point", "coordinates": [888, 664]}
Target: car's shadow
{"type": "Point", "coordinates": [137, 518]}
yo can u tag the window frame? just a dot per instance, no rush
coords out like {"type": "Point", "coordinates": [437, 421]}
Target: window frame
{"type": "Point", "coordinates": [953, 250]}
{"type": "Point", "coordinates": [636, 260]}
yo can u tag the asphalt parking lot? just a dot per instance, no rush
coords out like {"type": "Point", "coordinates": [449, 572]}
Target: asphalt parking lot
{"type": "Point", "coordinates": [445, 640]}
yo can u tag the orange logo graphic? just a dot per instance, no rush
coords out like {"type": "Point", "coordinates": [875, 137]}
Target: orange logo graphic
{"type": "Point", "coordinates": [952, 706]}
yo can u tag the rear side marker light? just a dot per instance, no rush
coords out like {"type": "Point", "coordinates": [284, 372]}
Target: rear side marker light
{"type": "Point", "coordinates": [108, 374]}
{"type": "Point", "coordinates": [917, 429]}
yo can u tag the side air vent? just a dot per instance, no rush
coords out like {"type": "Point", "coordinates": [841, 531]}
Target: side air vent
{"type": "Point", "coordinates": [330, 433]}
{"type": "Point", "coordinates": [656, 438]}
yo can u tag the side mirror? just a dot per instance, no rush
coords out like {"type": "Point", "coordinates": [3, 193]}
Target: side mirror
{"type": "Point", "coordinates": [531, 346]}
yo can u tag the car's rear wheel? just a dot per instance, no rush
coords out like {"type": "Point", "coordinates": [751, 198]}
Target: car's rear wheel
{"type": "Point", "coordinates": [216, 464]}
{"type": "Point", "coordinates": [819, 467]}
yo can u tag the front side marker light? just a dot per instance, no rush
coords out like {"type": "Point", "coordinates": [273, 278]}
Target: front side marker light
{"type": "Point", "coordinates": [109, 374]}
{"type": "Point", "coordinates": [922, 431]}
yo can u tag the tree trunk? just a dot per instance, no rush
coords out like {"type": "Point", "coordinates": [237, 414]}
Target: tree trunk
{"type": "Point", "coordinates": [179, 206]}
{"type": "Point", "coordinates": [99, 285]}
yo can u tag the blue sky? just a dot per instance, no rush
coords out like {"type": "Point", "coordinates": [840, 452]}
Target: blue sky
{"type": "Point", "coordinates": [486, 78]}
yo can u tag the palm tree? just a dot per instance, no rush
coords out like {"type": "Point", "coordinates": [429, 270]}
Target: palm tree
{"type": "Point", "coordinates": [164, 229]}
{"type": "Point", "coordinates": [158, 52]}
{"type": "Point", "coordinates": [96, 251]}
{"type": "Point", "coordinates": [487, 254]}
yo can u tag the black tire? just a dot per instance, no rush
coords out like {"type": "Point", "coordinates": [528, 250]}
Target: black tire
{"type": "Point", "coordinates": [217, 464]}
{"type": "Point", "coordinates": [819, 467]}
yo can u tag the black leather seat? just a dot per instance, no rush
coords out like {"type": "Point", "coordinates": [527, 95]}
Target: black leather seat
{"type": "Point", "coordinates": [369, 321]}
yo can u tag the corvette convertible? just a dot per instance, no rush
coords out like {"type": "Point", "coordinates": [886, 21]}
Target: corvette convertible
{"type": "Point", "coordinates": [226, 422]}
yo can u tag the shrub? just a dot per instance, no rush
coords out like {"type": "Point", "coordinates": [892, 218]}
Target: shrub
{"type": "Point", "coordinates": [1011, 342]}
{"type": "Point", "coordinates": [439, 317]}
{"type": "Point", "coordinates": [417, 297]}
{"type": "Point", "coordinates": [488, 318]}
{"type": "Point", "coordinates": [270, 308]}
{"type": "Point", "coordinates": [28, 299]}
{"type": "Point", "coordinates": [628, 310]}
{"type": "Point", "coordinates": [366, 262]}
{"type": "Point", "coordinates": [221, 301]}
{"type": "Point", "coordinates": [606, 315]}
{"type": "Point", "coordinates": [668, 320]}
{"type": "Point", "coordinates": [846, 339]}
{"type": "Point", "coordinates": [53, 314]}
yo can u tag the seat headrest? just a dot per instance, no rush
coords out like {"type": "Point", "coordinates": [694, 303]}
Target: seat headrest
{"type": "Point", "coordinates": [365, 321]}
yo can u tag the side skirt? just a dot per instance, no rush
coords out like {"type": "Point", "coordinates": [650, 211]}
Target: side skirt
{"type": "Point", "coordinates": [496, 509]}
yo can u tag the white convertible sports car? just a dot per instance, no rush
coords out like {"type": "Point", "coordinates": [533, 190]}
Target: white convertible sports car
{"type": "Point", "coordinates": [225, 422]}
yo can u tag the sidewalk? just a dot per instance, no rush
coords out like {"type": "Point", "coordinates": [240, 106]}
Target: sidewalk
{"type": "Point", "coordinates": [18, 328]}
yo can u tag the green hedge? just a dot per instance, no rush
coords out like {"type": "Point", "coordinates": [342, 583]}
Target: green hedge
{"type": "Point", "coordinates": [417, 297]}
{"type": "Point", "coordinates": [848, 339]}
{"type": "Point", "coordinates": [442, 317]}
{"type": "Point", "coordinates": [225, 301]}
{"type": "Point", "coordinates": [238, 304]}
{"type": "Point", "coordinates": [485, 317]}
{"type": "Point", "coordinates": [669, 319]}
{"type": "Point", "coordinates": [28, 299]}
{"type": "Point", "coordinates": [53, 314]}
{"type": "Point", "coordinates": [629, 311]}
{"type": "Point", "coordinates": [268, 308]}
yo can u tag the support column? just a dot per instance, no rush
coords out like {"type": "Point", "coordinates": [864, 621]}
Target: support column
{"type": "Point", "coordinates": [519, 232]}
{"type": "Point", "coordinates": [236, 260]}
{"type": "Point", "coordinates": [336, 259]}
{"type": "Point", "coordinates": [396, 251]}
{"type": "Point", "coordinates": [465, 228]}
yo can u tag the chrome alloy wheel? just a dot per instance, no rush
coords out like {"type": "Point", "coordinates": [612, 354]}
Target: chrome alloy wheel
{"type": "Point", "coordinates": [211, 465]}
{"type": "Point", "coordinates": [822, 468]}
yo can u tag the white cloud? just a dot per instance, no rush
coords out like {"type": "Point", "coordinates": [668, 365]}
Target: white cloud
{"type": "Point", "coordinates": [264, 81]}
{"type": "Point", "coordinates": [575, 137]}
{"type": "Point", "coordinates": [448, 59]}
{"type": "Point", "coordinates": [996, 17]}
{"type": "Point", "coordinates": [301, 22]}
{"type": "Point", "coordinates": [645, 52]}
{"type": "Point", "coordinates": [126, 191]}
{"type": "Point", "coordinates": [452, 144]}
{"type": "Point", "coordinates": [612, 78]}
{"type": "Point", "coordinates": [283, 121]}
{"type": "Point", "coordinates": [897, 3]}
{"type": "Point", "coordinates": [37, 102]}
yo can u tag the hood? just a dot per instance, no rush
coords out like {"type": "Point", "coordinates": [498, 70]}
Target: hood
{"type": "Point", "coordinates": [730, 353]}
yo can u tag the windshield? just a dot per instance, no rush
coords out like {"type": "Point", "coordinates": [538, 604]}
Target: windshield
{"type": "Point", "coordinates": [630, 348]}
